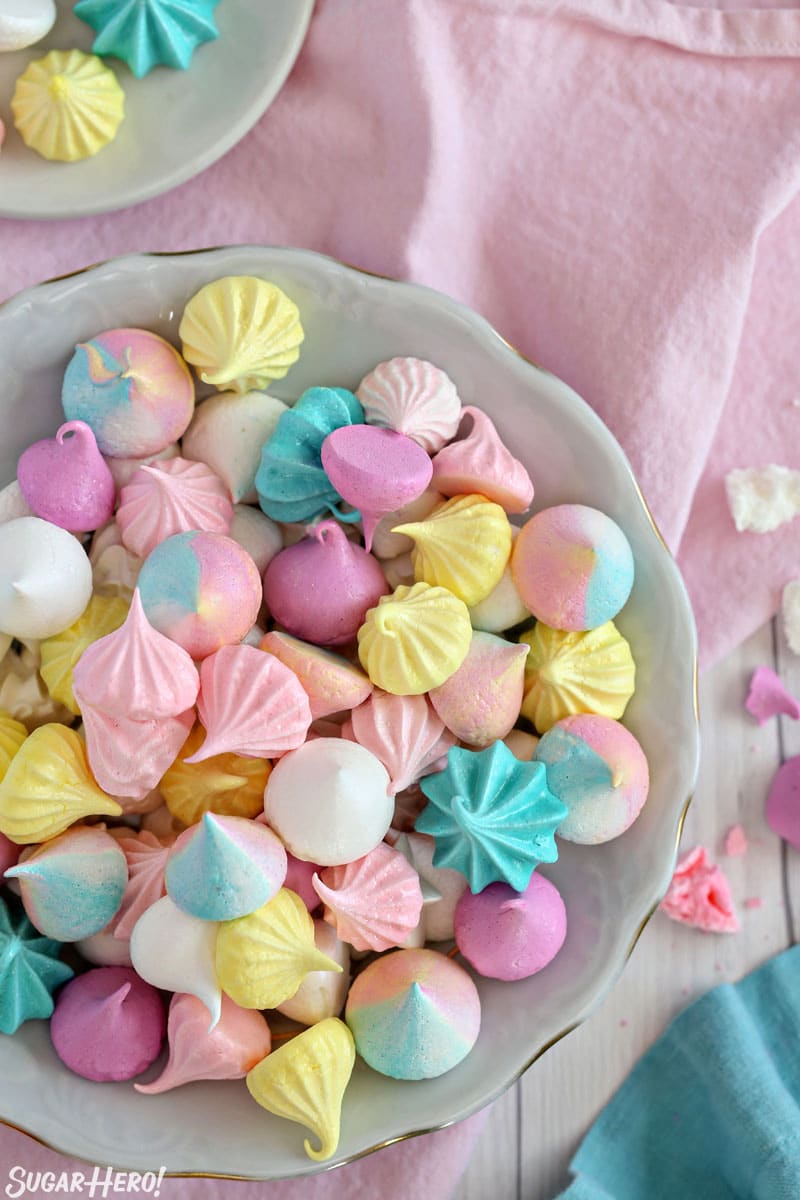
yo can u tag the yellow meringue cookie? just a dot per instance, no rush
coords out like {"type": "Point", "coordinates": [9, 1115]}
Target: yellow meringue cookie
{"type": "Point", "coordinates": [414, 639]}
{"type": "Point", "coordinates": [240, 332]}
{"type": "Point", "coordinates": [464, 546]}
{"type": "Point", "coordinates": [61, 652]}
{"type": "Point", "coordinates": [263, 958]}
{"type": "Point", "coordinates": [48, 786]}
{"type": "Point", "coordinates": [12, 735]}
{"type": "Point", "coordinates": [225, 784]}
{"type": "Point", "coordinates": [305, 1080]}
{"type": "Point", "coordinates": [570, 673]}
{"type": "Point", "coordinates": [68, 105]}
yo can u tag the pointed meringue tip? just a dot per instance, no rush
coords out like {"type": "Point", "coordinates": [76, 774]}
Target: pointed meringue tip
{"type": "Point", "coordinates": [214, 1009]}
{"type": "Point", "coordinates": [23, 590]}
{"type": "Point", "coordinates": [369, 523]}
{"type": "Point", "coordinates": [408, 530]}
{"type": "Point", "coordinates": [517, 904]}
{"type": "Point", "coordinates": [317, 961]}
{"type": "Point", "coordinates": [117, 999]}
{"type": "Point", "coordinates": [151, 1089]}
{"type": "Point", "coordinates": [206, 751]}
{"type": "Point", "coordinates": [617, 778]}
{"type": "Point", "coordinates": [24, 871]}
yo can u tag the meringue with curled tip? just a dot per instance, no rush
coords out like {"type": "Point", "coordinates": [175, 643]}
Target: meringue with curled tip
{"type": "Point", "coordinates": [225, 867]}
{"type": "Point", "coordinates": [169, 497]}
{"type": "Point", "coordinates": [322, 994]}
{"type": "Point", "coordinates": [482, 463]}
{"type": "Point", "coordinates": [240, 333]}
{"type": "Point", "coordinates": [262, 959]}
{"type": "Point", "coordinates": [65, 479]}
{"type": "Point", "coordinates": [227, 433]}
{"type": "Point", "coordinates": [61, 652]}
{"type": "Point", "coordinates": [146, 856]}
{"type": "Point", "coordinates": [173, 950]}
{"type": "Point", "coordinates": [67, 105]}
{"type": "Point", "coordinates": [250, 704]}
{"type": "Point", "coordinates": [128, 758]}
{"type": "Point", "coordinates": [227, 783]}
{"type": "Point", "coordinates": [374, 902]}
{"type": "Point", "coordinates": [136, 673]}
{"type": "Point", "coordinates": [45, 578]}
{"type": "Point", "coordinates": [566, 673]}
{"type": "Point", "coordinates": [404, 732]}
{"type": "Point", "coordinates": [48, 787]}
{"type": "Point", "coordinates": [480, 701]}
{"type": "Point", "coordinates": [240, 1039]}
{"type": "Point", "coordinates": [331, 683]}
{"type": "Point", "coordinates": [305, 1080]}
{"type": "Point", "coordinates": [414, 639]}
{"type": "Point", "coordinates": [464, 546]}
{"type": "Point", "coordinates": [413, 397]}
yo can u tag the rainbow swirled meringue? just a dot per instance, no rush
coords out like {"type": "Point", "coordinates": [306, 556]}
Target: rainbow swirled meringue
{"type": "Point", "coordinates": [412, 397]}
{"type": "Point", "coordinates": [482, 463]}
{"type": "Point", "coordinates": [414, 639]}
{"type": "Point", "coordinates": [168, 497]}
{"type": "Point", "coordinates": [590, 671]}
{"type": "Point", "coordinates": [331, 683]}
{"type": "Point", "coordinates": [67, 105]}
{"type": "Point", "coordinates": [374, 902]}
{"type": "Point", "coordinates": [145, 33]}
{"type": "Point", "coordinates": [480, 701]}
{"type": "Point", "coordinates": [30, 970]}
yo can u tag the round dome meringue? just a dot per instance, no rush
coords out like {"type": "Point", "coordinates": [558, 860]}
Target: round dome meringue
{"type": "Point", "coordinates": [45, 578]}
{"type": "Point", "coordinates": [480, 462]}
{"type": "Point", "coordinates": [256, 534]}
{"type": "Point", "coordinates": [61, 652]}
{"type": "Point", "coordinates": [414, 1014]}
{"type": "Point", "coordinates": [329, 801]}
{"type": "Point", "coordinates": [331, 683]}
{"type": "Point", "coordinates": [104, 950]}
{"type": "Point", "coordinates": [403, 732]}
{"type": "Point", "coordinates": [505, 934]}
{"type": "Point", "coordinates": [239, 1040]}
{"type": "Point", "coordinates": [374, 902]}
{"type": "Point", "coordinates": [65, 479]}
{"type": "Point", "coordinates": [168, 497]}
{"type": "Point", "coordinates": [227, 783]}
{"type": "Point", "coordinates": [108, 1024]}
{"type": "Point", "coordinates": [322, 994]}
{"type": "Point", "coordinates": [173, 950]}
{"type": "Point", "coordinates": [67, 105]}
{"type": "Point", "coordinates": [225, 867]}
{"type": "Point", "coordinates": [227, 433]}
{"type": "Point", "coordinates": [241, 333]}
{"type": "Point", "coordinates": [589, 671]}
{"type": "Point", "coordinates": [25, 22]}
{"type": "Point", "coordinates": [250, 704]}
{"type": "Point", "coordinates": [480, 701]}
{"type": "Point", "coordinates": [414, 639]}
{"type": "Point", "coordinates": [146, 856]}
{"type": "Point", "coordinates": [412, 397]}
{"type": "Point", "coordinates": [144, 33]}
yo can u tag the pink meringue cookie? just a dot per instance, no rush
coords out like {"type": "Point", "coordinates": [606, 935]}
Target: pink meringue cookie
{"type": "Point", "coordinates": [250, 704]}
{"type": "Point", "coordinates": [108, 1024]}
{"type": "Point", "coordinates": [331, 683]}
{"type": "Point", "coordinates": [321, 588]}
{"type": "Point", "coordinates": [699, 894]}
{"type": "Point", "coordinates": [403, 732]}
{"type": "Point", "coordinates": [123, 469]}
{"type": "Point", "coordinates": [374, 902]}
{"type": "Point", "coordinates": [146, 856]}
{"type": "Point", "coordinates": [412, 397]}
{"type": "Point", "coordinates": [169, 497]}
{"type": "Point", "coordinates": [376, 470]}
{"type": "Point", "coordinates": [227, 433]}
{"type": "Point", "coordinates": [129, 758]}
{"type": "Point", "coordinates": [239, 1040]}
{"type": "Point", "coordinates": [505, 934]}
{"type": "Point", "coordinates": [481, 462]}
{"type": "Point", "coordinates": [322, 994]}
{"type": "Point", "coordinates": [480, 702]}
{"type": "Point", "coordinates": [767, 697]}
{"type": "Point", "coordinates": [136, 673]}
{"type": "Point", "coordinates": [783, 802]}
{"type": "Point", "coordinates": [65, 479]}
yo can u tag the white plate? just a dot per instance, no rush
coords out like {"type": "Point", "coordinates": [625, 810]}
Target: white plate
{"type": "Point", "coordinates": [353, 321]}
{"type": "Point", "coordinates": [177, 123]}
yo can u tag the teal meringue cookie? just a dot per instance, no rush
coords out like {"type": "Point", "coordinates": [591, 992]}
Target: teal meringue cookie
{"type": "Point", "coordinates": [225, 867]}
{"type": "Point", "coordinates": [493, 818]}
{"type": "Point", "coordinates": [73, 885]}
{"type": "Point", "coordinates": [146, 33]}
{"type": "Point", "coordinates": [30, 970]}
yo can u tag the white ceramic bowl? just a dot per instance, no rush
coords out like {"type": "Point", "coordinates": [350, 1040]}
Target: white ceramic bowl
{"type": "Point", "coordinates": [353, 321]}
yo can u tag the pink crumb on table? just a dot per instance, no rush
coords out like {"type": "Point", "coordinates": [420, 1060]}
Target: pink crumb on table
{"type": "Point", "coordinates": [753, 902]}
{"type": "Point", "coordinates": [783, 802]}
{"type": "Point", "coordinates": [699, 895]}
{"type": "Point", "coordinates": [735, 844]}
{"type": "Point", "coordinates": [767, 697]}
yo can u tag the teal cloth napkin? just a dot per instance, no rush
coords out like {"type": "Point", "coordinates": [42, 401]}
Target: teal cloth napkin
{"type": "Point", "coordinates": [712, 1111]}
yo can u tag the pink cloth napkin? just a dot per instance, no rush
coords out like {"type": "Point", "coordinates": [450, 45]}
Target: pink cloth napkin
{"type": "Point", "coordinates": [614, 184]}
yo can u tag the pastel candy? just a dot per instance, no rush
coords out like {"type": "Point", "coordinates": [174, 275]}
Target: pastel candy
{"type": "Point", "coordinates": [239, 1040]}
{"type": "Point", "coordinates": [783, 802]}
{"type": "Point", "coordinates": [386, 543]}
{"type": "Point", "coordinates": [202, 590]}
{"type": "Point", "coordinates": [123, 469]}
{"type": "Point", "coordinates": [414, 1014]}
{"type": "Point", "coordinates": [404, 732]}
{"type": "Point", "coordinates": [168, 497]}
{"type": "Point", "coordinates": [73, 885]}
{"type": "Point", "coordinates": [146, 856]}
{"type": "Point", "coordinates": [321, 588]}
{"type": "Point", "coordinates": [441, 886]}
{"type": "Point", "coordinates": [480, 462]}
{"type": "Point", "coordinates": [227, 433]}
{"type": "Point", "coordinates": [250, 704]}
{"type": "Point", "coordinates": [502, 609]}
{"type": "Point", "coordinates": [480, 701]}
{"type": "Point", "coordinates": [225, 867]}
{"type": "Point", "coordinates": [62, 652]}
{"type": "Point", "coordinates": [127, 757]}
{"type": "Point", "coordinates": [67, 106]}
{"type": "Point", "coordinates": [25, 22]}
{"type": "Point", "coordinates": [12, 735]}
{"type": "Point", "coordinates": [45, 578]}
{"type": "Point", "coordinates": [376, 470]}
{"type": "Point", "coordinates": [414, 639]}
{"type": "Point", "coordinates": [291, 481]}
{"type": "Point", "coordinates": [505, 934]}
{"type": "Point", "coordinates": [172, 949]}
{"type": "Point", "coordinates": [226, 783]}
{"type": "Point", "coordinates": [331, 683]}
{"type": "Point", "coordinates": [299, 876]}
{"type": "Point", "coordinates": [573, 567]}
{"type": "Point", "coordinates": [65, 479]}
{"type": "Point", "coordinates": [329, 801]}
{"type": "Point", "coordinates": [599, 771]}
{"type": "Point", "coordinates": [374, 902]}
{"type": "Point", "coordinates": [144, 33]}
{"type": "Point", "coordinates": [493, 818]}
{"type": "Point", "coordinates": [30, 970]}
{"type": "Point", "coordinates": [108, 1024]}
{"type": "Point", "coordinates": [412, 397]}
{"type": "Point", "coordinates": [256, 534]}
{"type": "Point", "coordinates": [591, 671]}
{"type": "Point", "coordinates": [322, 994]}
{"type": "Point", "coordinates": [132, 388]}
{"type": "Point", "coordinates": [104, 950]}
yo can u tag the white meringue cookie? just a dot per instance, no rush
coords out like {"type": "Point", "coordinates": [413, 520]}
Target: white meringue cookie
{"type": "Point", "coordinates": [227, 433]}
{"type": "Point", "coordinates": [322, 993]}
{"type": "Point", "coordinates": [437, 917]}
{"type": "Point", "coordinates": [173, 950]}
{"type": "Point", "coordinates": [13, 504]}
{"type": "Point", "coordinates": [257, 534]}
{"type": "Point", "coordinates": [502, 609]}
{"type": "Point", "coordinates": [45, 578]}
{"type": "Point", "coordinates": [24, 22]}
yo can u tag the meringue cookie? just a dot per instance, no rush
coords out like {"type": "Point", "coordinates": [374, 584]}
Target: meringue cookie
{"type": "Point", "coordinates": [171, 497]}
{"type": "Point", "coordinates": [386, 543]}
{"type": "Point", "coordinates": [226, 783]}
{"type": "Point", "coordinates": [403, 732]}
{"type": "Point", "coordinates": [567, 673]}
{"type": "Point", "coordinates": [414, 639]}
{"type": "Point", "coordinates": [257, 534]}
{"type": "Point", "coordinates": [322, 993]}
{"type": "Point", "coordinates": [12, 503]}
{"type": "Point", "coordinates": [30, 970]}
{"type": "Point", "coordinates": [438, 909]}
{"type": "Point", "coordinates": [146, 856]}
{"type": "Point", "coordinates": [45, 578]}
{"type": "Point", "coordinates": [25, 22]}
{"type": "Point", "coordinates": [123, 469]}
{"type": "Point", "coordinates": [144, 33]}
{"type": "Point", "coordinates": [227, 433]}
{"type": "Point", "coordinates": [23, 692]}
{"type": "Point", "coordinates": [373, 903]}
{"type": "Point", "coordinates": [104, 950]}
{"type": "Point", "coordinates": [331, 683]}
{"type": "Point", "coordinates": [173, 950]}
{"type": "Point", "coordinates": [66, 481]}
{"type": "Point", "coordinates": [480, 462]}
{"type": "Point", "coordinates": [480, 701]}
{"type": "Point", "coordinates": [412, 397]}
{"type": "Point", "coordinates": [61, 652]}
{"type": "Point", "coordinates": [129, 758]}
{"type": "Point", "coordinates": [502, 609]}
{"type": "Point", "coordinates": [108, 1024]}
{"type": "Point", "coordinates": [12, 734]}
{"type": "Point", "coordinates": [505, 934]}
{"type": "Point", "coordinates": [67, 106]}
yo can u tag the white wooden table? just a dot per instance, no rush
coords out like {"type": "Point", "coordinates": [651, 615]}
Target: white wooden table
{"type": "Point", "coordinates": [534, 1129]}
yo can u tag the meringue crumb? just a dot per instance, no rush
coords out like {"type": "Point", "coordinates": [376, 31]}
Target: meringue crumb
{"type": "Point", "coordinates": [767, 697]}
{"type": "Point", "coordinates": [753, 902]}
{"type": "Point", "coordinates": [763, 498]}
{"type": "Point", "coordinates": [790, 611]}
{"type": "Point", "coordinates": [735, 844]}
